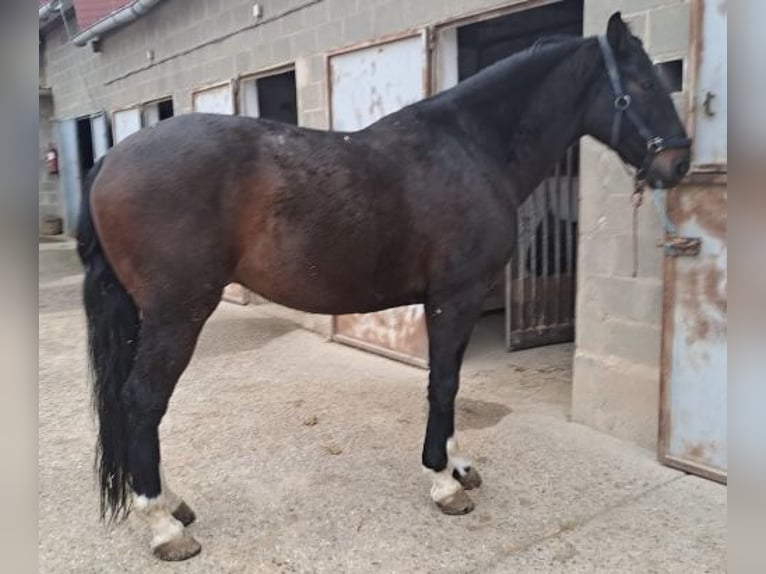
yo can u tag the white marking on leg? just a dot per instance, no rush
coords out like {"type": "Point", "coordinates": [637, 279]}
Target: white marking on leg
{"type": "Point", "coordinates": [455, 460]}
{"type": "Point", "coordinates": [156, 513]}
{"type": "Point", "coordinates": [443, 484]}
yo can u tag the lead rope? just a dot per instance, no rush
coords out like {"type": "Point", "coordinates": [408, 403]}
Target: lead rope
{"type": "Point", "coordinates": [659, 202]}
{"type": "Point", "coordinates": [637, 199]}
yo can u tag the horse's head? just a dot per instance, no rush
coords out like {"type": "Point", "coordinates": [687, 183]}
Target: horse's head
{"type": "Point", "coordinates": [632, 112]}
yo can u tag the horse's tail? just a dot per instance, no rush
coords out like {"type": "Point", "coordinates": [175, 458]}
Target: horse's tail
{"type": "Point", "coordinates": [113, 327]}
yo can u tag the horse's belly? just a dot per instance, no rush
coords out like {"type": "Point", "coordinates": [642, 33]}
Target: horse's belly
{"type": "Point", "coordinates": [307, 288]}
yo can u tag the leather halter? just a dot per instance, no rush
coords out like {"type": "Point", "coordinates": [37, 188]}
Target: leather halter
{"type": "Point", "coordinates": [623, 105]}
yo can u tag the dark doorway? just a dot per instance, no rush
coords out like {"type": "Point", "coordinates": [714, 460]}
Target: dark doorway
{"type": "Point", "coordinates": [165, 109]}
{"type": "Point", "coordinates": [277, 98]}
{"type": "Point", "coordinates": [534, 302]}
{"type": "Point", "coordinates": [156, 111]}
{"type": "Point", "coordinates": [484, 43]}
{"type": "Point", "coordinates": [272, 97]}
{"type": "Point", "coordinates": [85, 144]}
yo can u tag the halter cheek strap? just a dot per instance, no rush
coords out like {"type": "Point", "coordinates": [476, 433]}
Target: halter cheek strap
{"type": "Point", "coordinates": [623, 105]}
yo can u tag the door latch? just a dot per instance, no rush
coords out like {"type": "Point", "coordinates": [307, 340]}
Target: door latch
{"type": "Point", "coordinates": [707, 104]}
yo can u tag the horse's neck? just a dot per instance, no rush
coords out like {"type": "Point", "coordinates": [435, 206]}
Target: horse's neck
{"type": "Point", "coordinates": [553, 119]}
{"type": "Point", "coordinates": [535, 112]}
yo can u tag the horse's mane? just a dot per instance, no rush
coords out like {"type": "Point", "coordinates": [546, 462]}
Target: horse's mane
{"type": "Point", "coordinates": [545, 40]}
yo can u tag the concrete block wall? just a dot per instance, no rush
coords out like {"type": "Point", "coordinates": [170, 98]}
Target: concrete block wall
{"type": "Point", "coordinates": [616, 382]}
{"type": "Point", "coordinates": [181, 34]}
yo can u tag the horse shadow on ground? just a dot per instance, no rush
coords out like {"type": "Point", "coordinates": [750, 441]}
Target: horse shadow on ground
{"type": "Point", "coordinates": [239, 334]}
{"type": "Point", "coordinates": [475, 414]}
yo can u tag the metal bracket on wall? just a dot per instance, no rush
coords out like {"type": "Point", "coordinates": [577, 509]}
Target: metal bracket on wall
{"type": "Point", "coordinates": [674, 245]}
{"type": "Point", "coordinates": [682, 246]}
{"type": "Point", "coordinates": [430, 38]}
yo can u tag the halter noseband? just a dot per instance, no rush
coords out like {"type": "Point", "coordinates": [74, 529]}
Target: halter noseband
{"type": "Point", "coordinates": [623, 104]}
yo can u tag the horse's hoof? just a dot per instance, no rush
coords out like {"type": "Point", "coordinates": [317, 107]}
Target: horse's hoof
{"type": "Point", "coordinates": [184, 514]}
{"type": "Point", "coordinates": [178, 549]}
{"type": "Point", "coordinates": [457, 504]}
{"type": "Point", "coordinates": [470, 480]}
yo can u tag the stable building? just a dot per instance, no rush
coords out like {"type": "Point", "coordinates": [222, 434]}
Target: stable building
{"type": "Point", "coordinates": [649, 361]}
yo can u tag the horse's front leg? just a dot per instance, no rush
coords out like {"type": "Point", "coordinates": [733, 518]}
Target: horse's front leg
{"type": "Point", "coordinates": [450, 319]}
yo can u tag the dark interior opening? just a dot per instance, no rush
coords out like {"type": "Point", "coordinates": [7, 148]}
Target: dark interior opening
{"type": "Point", "coordinates": [165, 109]}
{"type": "Point", "coordinates": [85, 144]}
{"type": "Point", "coordinates": [542, 314]}
{"type": "Point", "coordinates": [672, 74]}
{"type": "Point", "coordinates": [484, 43]}
{"type": "Point", "coordinates": [109, 136]}
{"type": "Point", "coordinates": [277, 98]}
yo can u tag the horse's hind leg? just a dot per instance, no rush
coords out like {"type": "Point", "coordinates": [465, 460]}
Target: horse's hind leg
{"type": "Point", "coordinates": [165, 348]}
{"type": "Point", "coordinates": [178, 507]}
{"type": "Point", "coordinates": [450, 319]}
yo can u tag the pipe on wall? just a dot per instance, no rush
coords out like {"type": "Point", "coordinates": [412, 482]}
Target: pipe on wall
{"type": "Point", "coordinates": [50, 10]}
{"type": "Point", "coordinates": [124, 15]}
{"type": "Point", "coordinates": [47, 10]}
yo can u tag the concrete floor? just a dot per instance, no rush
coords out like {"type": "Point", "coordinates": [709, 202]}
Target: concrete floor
{"type": "Point", "coordinates": [274, 493]}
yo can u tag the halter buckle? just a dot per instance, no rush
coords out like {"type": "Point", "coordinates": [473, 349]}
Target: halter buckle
{"type": "Point", "coordinates": [622, 102]}
{"type": "Point", "coordinates": [655, 145]}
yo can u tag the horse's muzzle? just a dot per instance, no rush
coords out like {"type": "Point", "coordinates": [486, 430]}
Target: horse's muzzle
{"type": "Point", "coordinates": [669, 167]}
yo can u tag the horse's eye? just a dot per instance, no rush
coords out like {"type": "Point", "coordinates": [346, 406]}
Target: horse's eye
{"type": "Point", "coordinates": [647, 85]}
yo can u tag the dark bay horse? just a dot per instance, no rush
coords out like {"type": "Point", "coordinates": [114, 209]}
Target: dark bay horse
{"type": "Point", "coordinates": [419, 207]}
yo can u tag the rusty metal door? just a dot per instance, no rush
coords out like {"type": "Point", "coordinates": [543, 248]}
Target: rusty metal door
{"type": "Point", "coordinates": [693, 414]}
{"type": "Point", "coordinates": [366, 84]}
{"type": "Point", "coordinates": [540, 278]}
{"type": "Point", "coordinates": [693, 421]}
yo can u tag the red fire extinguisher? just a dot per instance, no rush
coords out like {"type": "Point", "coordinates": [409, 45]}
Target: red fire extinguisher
{"type": "Point", "coordinates": [52, 160]}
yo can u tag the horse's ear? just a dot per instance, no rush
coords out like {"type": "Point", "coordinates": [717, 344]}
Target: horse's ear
{"type": "Point", "coordinates": [617, 33]}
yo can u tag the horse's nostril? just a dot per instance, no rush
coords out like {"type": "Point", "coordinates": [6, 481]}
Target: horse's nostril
{"type": "Point", "coordinates": [682, 167]}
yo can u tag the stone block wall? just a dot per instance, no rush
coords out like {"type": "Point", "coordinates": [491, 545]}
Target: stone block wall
{"type": "Point", "coordinates": [616, 382]}
{"type": "Point", "coordinates": [199, 42]}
